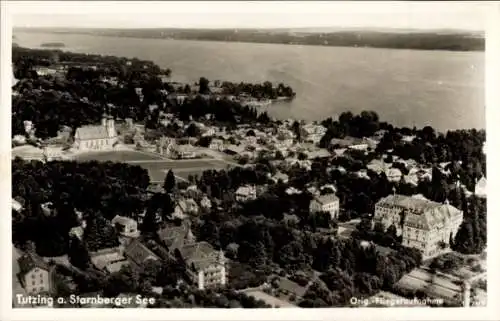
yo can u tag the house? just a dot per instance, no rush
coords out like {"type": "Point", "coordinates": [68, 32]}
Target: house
{"type": "Point", "coordinates": [480, 189]}
{"type": "Point", "coordinates": [109, 259]}
{"type": "Point", "coordinates": [77, 232]}
{"type": "Point", "coordinates": [125, 226]}
{"type": "Point", "coordinates": [292, 191]}
{"type": "Point", "coordinates": [206, 265]}
{"type": "Point", "coordinates": [424, 224]}
{"type": "Point", "coordinates": [185, 151]}
{"type": "Point", "coordinates": [217, 144]}
{"type": "Point", "coordinates": [393, 174]}
{"type": "Point", "coordinates": [205, 203]}
{"type": "Point", "coordinates": [325, 203]}
{"type": "Point", "coordinates": [349, 143]}
{"type": "Point", "coordinates": [96, 137]}
{"type": "Point", "coordinates": [16, 206]}
{"type": "Point", "coordinates": [35, 275]}
{"type": "Point", "coordinates": [137, 253]}
{"type": "Point", "coordinates": [312, 133]}
{"type": "Point", "coordinates": [175, 237]}
{"type": "Point", "coordinates": [185, 207]}
{"type": "Point", "coordinates": [319, 153]}
{"type": "Point", "coordinates": [280, 177]}
{"type": "Point", "coordinates": [246, 193]}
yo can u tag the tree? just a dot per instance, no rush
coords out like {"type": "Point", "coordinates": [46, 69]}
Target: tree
{"type": "Point", "coordinates": [169, 183]}
{"type": "Point", "coordinates": [204, 89]}
{"type": "Point", "coordinates": [78, 254]}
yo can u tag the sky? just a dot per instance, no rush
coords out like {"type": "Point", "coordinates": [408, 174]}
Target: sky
{"type": "Point", "coordinates": [250, 14]}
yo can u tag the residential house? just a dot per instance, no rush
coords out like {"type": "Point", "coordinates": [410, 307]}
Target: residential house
{"type": "Point", "coordinates": [480, 189]}
{"type": "Point", "coordinates": [280, 177]}
{"type": "Point", "coordinates": [424, 224]}
{"type": "Point", "coordinates": [205, 203]}
{"type": "Point", "coordinates": [312, 133]}
{"type": "Point", "coordinates": [185, 151]}
{"type": "Point", "coordinates": [349, 143]}
{"type": "Point", "coordinates": [206, 265]}
{"type": "Point", "coordinates": [325, 203]}
{"type": "Point", "coordinates": [246, 193]}
{"type": "Point", "coordinates": [319, 153]}
{"type": "Point", "coordinates": [175, 237]}
{"type": "Point", "coordinates": [217, 144]}
{"type": "Point", "coordinates": [125, 226]}
{"type": "Point", "coordinates": [35, 275]}
{"type": "Point", "coordinates": [16, 205]}
{"type": "Point", "coordinates": [77, 231]}
{"type": "Point", "coordinates": [109, 259]}
{"type": "Point", "coordinates": [393, 174]}
{"type": "Point", "coordinates": [96, 137]}
{"type": "Point", "coordinates": [185, 207]}
{"type": "Point", "coordinates": [292, 191]}
{"type": "Point", "coordinates": [137, 254]}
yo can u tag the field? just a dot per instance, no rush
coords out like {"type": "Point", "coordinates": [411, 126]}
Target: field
{"type": "Point", "coordinates": [157, 166]}
{"type": "Point", "coordinates": [275, 302]}
{"type": "Point", "coordinates": [116, 156]}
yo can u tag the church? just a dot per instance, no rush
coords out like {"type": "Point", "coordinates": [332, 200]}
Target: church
{"type": "Point", "coordinates": [99, 137]}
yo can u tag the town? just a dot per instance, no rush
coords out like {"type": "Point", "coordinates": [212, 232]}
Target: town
{"type": "Point", "coordinates": [126, 183]}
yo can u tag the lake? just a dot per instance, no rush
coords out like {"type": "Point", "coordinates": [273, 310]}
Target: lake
{"type": "Point", "coordinates": [405, 87]}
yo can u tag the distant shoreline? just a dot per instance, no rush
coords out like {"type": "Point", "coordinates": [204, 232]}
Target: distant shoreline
{"type": "Point", "coordinates": [429, 41]}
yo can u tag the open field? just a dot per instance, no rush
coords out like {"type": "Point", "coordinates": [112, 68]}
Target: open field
{"type": "Point", "coordinates": [275, 302]}
{"type": "Point", "coordinates": [433, 285]}
{"type": "Point", "coordinates": [157, 166]}
{"type": "Point", "coordinates": [116, 156]}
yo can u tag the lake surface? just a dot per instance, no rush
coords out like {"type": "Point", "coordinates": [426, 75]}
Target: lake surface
{"type": "Point", "coordinates": [405, 87]}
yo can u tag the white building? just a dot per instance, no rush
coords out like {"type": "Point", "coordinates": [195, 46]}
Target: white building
{"type": "Point", "coordinates": [125, 226]}
{"type": "Point", "coordinates": [246, 193]}
{"type": "Point", "coordinates": [206, 265]}
{"type": "Point", "coordinates": [424, 224]}
{"type": "Point", "coordinates": [100, 137]}
{"type": "Point", "coordinates": [325, 203]}
{"type": "Point", "coordinates": [480, 189]}
{"type": "Point", "coordinates": [217, 144]}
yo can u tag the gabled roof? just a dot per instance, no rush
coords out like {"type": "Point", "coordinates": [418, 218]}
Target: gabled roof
{"type": "Point", "coordinates": [139, 253]}
{"type": "Point", "coordinates": [174, 237]}
{"type": "Point", "coordinates": [326, 199]}
{"type": "Point", "coordinates": [30, 261]}
{"type": "Point", "coordinates": [200, 254]}
{"type": "Point", "coordinates": [122, 220]}
{"type": "Point", "coordinates": [91, 132]}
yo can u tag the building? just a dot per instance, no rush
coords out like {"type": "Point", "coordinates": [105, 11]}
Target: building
{"type": "Point", "coordinates": [125, 226]}
{"type": "Point", "coordinates": [175, 237]}
{"type": "Point", "coordinates": [110, 259]}
{"type": "Point", "coordinates": [350, 143]}
{"type": "Point", "coordinates": [312, 133]}
{"type": "Point", "coordinates": [246, 193]}
{"type": "Point", "coordinates": [93, 137]}
{"type": "Point", "coordinates": [424, 224]}
{"type": "Point", "coordinates": [217, 144]}
{"type": "Point", "coordinates": [206, 265]}
{"type": "Point", "coordinates": [480, 189]}
{"type": "Point", "coordinates": [137, 254]}
{"type": "Point", "coordinates": [325, 203]}
{"type": "Point", "coordinates": [35, 274]}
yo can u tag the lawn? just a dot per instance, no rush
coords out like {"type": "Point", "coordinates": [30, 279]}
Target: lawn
{"type": "Point", "coordinates": [116, 156]}
{"type": "Point", "coordinates": [275, 302]}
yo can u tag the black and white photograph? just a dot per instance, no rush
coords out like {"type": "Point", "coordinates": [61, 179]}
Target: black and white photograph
{"type": "Point", "coordinates": [248, 155]}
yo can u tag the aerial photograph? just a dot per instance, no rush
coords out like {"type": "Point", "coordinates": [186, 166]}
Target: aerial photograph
{"type": "Point", "coordinates": [249, 159]}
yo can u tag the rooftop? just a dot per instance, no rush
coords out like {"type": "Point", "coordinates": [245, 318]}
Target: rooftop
{"type": "Point", "coordinates": [200, 254]}
{"type": "Point", "coordinates": [92, 132]}
{"type": "Point", "coordinates": [326, 198]}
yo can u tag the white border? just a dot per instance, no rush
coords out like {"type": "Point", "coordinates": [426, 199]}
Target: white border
{"type": "Point", "coordinates": [493, 119]}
